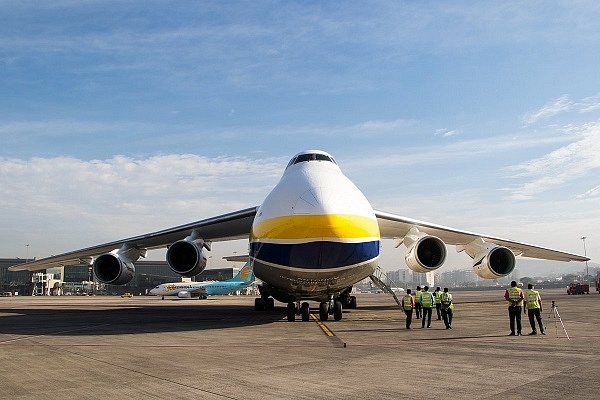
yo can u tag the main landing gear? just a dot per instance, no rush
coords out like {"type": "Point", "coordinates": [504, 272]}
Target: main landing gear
{"type": "Point", "coordinates": [297, 308]}
{"type": "Point", "coordinates": [264, 304]}
{"type": "Point", "coordinates": [303, 309]}
{"type": "Point", "coordinates": [330, 307]}
{"type": "Point", "coordinates": [333, 307]}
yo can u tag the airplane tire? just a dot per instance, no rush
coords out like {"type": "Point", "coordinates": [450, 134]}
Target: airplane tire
{"type": "Point", "coordinates": [258, 304]}
{"type": "Point", "coordinates": [291, 312]}
{"type": "Point", "coordinates": [305, 311]}
{"type": "Point", "coordinates": [323, 311]}
{"type": "Point", "coordinates": [337, 310]}
{"type": "Point", "coordinates": [352, 303]}
{"type": "Point", "coordinates": [270, 304]}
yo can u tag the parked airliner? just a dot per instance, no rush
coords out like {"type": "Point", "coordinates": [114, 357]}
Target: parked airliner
{"type": "Point", "coordinates": [187, 290]}
{"type": "Point", "coordinates": [314, 236]}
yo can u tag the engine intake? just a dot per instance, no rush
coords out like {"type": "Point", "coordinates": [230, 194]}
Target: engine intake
{"type": "Point", "coordinates": [426, 253]}
{"type": "Point", "coordinates": [112, 269]}
{"type": "Point", "coordinates": [494, 262]}
{"type": "Point", "coordinates": [186, 258]}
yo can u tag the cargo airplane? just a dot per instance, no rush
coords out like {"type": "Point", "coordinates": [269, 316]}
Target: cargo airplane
{"type": "Point", "coordinates": [313, 237]}
{"type": "Point", "coordinates": [187, 290]}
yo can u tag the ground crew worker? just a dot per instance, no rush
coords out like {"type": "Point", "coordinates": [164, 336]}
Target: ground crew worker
{"type": "Point", "coordinates": [408, 303]}
{"type": "Point", "coordinates": [533, 303]}
{"type": "Point", "coordinates": [447, 308]}
{"type": "Point", "coordinates": [514, 296]}
{"type": "Point", "coordinates": [438, 304]}
{"type": "Point", "coordinates": [418, 307]}
{"type": "Point", "coordinates": [427, 302]}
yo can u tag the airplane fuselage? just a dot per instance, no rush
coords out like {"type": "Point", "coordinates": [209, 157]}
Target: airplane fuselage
{"type": "Point", "coordinates": [242, 280]}
{"type": "Point", "coordinates": [315, 234]}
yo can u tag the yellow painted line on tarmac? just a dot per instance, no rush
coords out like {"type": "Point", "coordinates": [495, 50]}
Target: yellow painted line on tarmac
{"type": "Point", "coordinates": [328, 332]}
{"type": "Point", "coordinates": [323, 327]}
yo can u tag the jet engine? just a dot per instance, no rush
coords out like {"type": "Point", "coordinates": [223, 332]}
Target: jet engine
{"type": "Point", "coordinates": [425, 252]}
{"type": "Point", "coordinates": [186, 257]}
{"type": "Point", "coordinates": [184, 294]}
{"type": "Point", "coordinates": [113, 269]}
{"type": "Point", "coordinates": [494, 262]}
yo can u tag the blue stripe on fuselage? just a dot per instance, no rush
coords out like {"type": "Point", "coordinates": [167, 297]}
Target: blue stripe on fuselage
{"type": "Point", "coordinates": [315, 255]}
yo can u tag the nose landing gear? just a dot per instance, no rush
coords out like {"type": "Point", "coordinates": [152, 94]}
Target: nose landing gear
{"type": "Point", "coordinates": [297, 308]}
{"type": "Point", "coordinates": [334, 306]}
{"type": "Point", "coordinates": [330, 307]}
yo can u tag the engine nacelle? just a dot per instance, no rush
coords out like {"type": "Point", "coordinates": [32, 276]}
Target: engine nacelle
{"type": "Point", "coordinates": [426, 253]}
{"type": "Point", "coordinates": [186, 258]}
{"type": "Point", "coordinates": [494, 262]}
{"type": "Point", "coordinates": [184, 294]}
{"type": "Point", "coordinates": [113, 269]}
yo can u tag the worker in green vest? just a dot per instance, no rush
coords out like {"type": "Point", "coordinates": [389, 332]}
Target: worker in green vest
{"type": "Point", "coordinates": [418, 307]}
{"type": "Point", "coordinates": [427, 301]}
{"type": "Point", "coordinates": [533, 302]}
{"type": "Point", "coordinates": [408, 303]}
{"type": "Point", "coordinates": [514, 296]}
{"type": "Point", "coordinates": [447, 308]}
{"type": "Point", "coordinates": [438, 304]}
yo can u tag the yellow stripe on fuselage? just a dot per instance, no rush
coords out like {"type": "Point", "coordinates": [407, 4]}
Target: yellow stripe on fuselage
{"type": "Point", "coordinates": [309, 226]}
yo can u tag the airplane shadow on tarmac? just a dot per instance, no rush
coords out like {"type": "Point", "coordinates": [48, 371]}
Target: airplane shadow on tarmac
{"type": "Point", "coordinates": [137, 318]}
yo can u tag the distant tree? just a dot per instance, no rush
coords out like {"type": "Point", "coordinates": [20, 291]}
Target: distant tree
{"type": "Point", "coordinates": [570, 278]}
{"type": "Point", "coordinates": [526, 280]}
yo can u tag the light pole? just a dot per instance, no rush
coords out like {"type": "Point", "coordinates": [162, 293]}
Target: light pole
{"type": "Point", "coordinates": [587, 274]}
{"type": "Point", "coordinates": [27, 256]}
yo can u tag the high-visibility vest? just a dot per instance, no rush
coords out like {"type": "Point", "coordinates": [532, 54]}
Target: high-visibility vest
{"type": "Point", "coordinates": [427, 299]}
{"type": "Point", "coordinates": [408, 302]}
{"type": "Point", "coordinates": [446, 300]}
{"type": "Point", "coordinates": [514, 294]}
{"type": "Point", "coordinates": [438, 295]}
{"type": "Point", "coordinates": [532, 299]}
{"type": "Point", "coordinates": [418, 296]}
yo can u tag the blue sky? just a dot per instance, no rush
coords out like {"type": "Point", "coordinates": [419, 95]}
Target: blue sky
{"type": "Point", "coordinates": [120, 117]}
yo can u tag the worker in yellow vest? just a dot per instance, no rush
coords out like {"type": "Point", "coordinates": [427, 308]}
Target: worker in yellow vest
{"type": "Point", "coordinates": [408, 303]}
{"type": "Point", "coordinates": [514, 296]}
{"type": "Point", "coordinates": [438, 304]}
{"type": "Point", "coordinates": [533, 303]}
{"type": "Point", "coordinates": [418, 307]}
{"type": "Point", "coordinates": [427, 301]}
{"type": "Point", "coordinates": [447, 308]}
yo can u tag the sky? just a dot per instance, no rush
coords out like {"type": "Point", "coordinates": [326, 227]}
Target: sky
{"type": "Point", "coordinates": [118, 118]}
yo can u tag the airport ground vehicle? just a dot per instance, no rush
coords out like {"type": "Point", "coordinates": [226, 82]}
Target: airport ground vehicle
{"type": "Point", "coordinates": [578, 288]}
{"type": "Point", "coordinates": [126, 294]}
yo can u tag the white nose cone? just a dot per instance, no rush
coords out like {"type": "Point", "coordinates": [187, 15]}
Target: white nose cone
{"type": "Point", "coordinates": [317, 212]}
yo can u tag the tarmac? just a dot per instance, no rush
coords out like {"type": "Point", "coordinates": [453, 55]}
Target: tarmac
{"type": "Point", "coordinates": [146, 348]}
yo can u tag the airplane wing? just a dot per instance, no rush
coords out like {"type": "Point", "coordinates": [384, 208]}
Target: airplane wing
{"type": "Point", "coordinates": [235, 225]}
{"type": "Point", "coordinates": [200, 290]}
{"type": "Point", "coordinates": [394, 226]}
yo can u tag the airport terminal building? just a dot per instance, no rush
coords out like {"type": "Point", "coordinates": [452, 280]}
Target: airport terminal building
{"type": "Point", "coordinates": [78, 279]}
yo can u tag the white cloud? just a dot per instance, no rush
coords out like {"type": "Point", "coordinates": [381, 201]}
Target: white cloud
{"type": "Point", "coordinates": [561, 104]}
{"type": "Point", "coordinates": [445, 132]}
{"type": "Point", "coordinates": [472, 149]}
{"type": "Point", "coordinates": [554, 170]}
{"type": "Point", "coordinates": [589, 104]}
{"type": "Point", "coordinates": [593, 192]}
{"type": "Point", "coordinates": [118, 197]}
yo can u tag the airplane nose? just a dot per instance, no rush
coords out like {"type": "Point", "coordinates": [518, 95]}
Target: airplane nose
{"type": "Point", "coordinates": [316, 200]}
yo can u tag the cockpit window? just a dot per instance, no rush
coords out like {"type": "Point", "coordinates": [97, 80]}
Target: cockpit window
{"type": "Point", "coordinates": [311, 157]}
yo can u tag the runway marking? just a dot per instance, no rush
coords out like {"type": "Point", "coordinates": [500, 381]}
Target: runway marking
{"type": "Point", "coordinates": [324, 327]}
{"type": "Point", "coordinates": [328, 331]}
